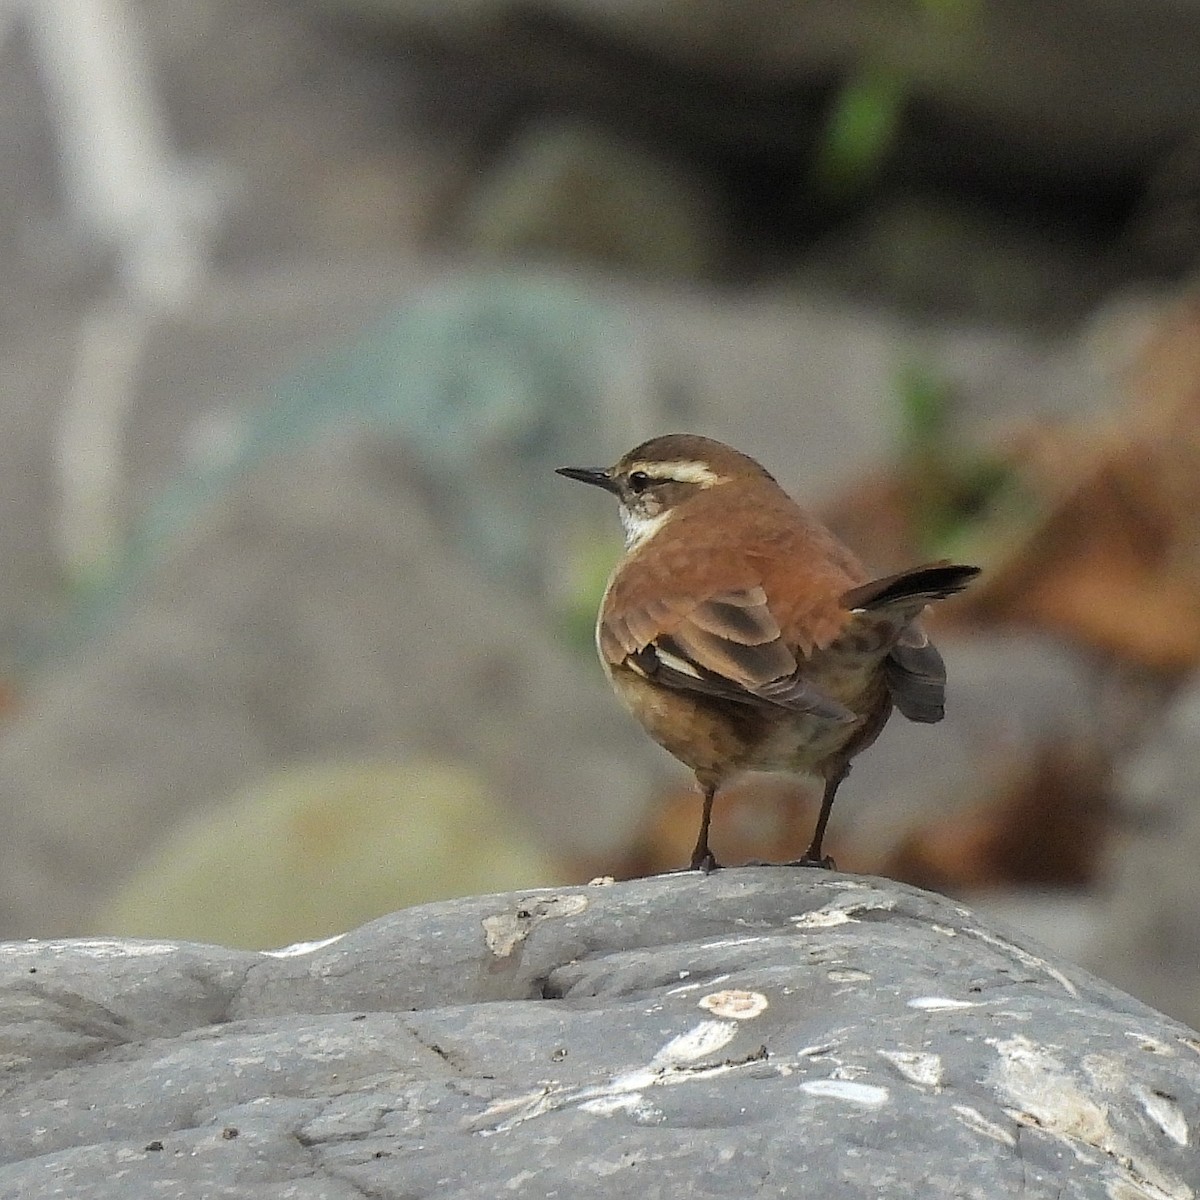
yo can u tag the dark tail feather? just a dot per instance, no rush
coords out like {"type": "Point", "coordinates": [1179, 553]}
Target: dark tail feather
{"type": "Point", "coordinates": [916, 680]}
{"type": "Point", "coordinates": [914, 671]}
{"type": "Point", "coordinates": [935, 581]}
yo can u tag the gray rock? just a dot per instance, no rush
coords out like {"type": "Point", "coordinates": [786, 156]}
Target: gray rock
{"type": "Point", "coordinates": [1006, 696]}
{"type": "Point", "coordinates": [1149, 926]}
{"type": "Point", "coordinates": [233, 657]}
{"type": "Point", "coordinates": [569, 192]}
{"type": "Point", "coordinates": [928, 256]}
{"type": "Point", "coordinates": [766, 1032]}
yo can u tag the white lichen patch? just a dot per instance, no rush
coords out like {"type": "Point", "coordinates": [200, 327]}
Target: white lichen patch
{"type": "Point", "coordinates": [633, 1103]}
{"type": "Point", "coordinates": [86, 948]}
{"type": "Point", "coordinates": [972, 1118]}
{"type": "Point", "coordinates": [700, 1041]}
{"type": "Point", "coordinates": [940, 1003]}
{"type": "Point", "coordinates": [1032, 1078]}
{"type": "Point", "coordinates": [817, 1051]}
{"type": "Point", "coordinates": [925, 1070]}
{"type": "Point", "coordinates": [685, 988]}
{"type": "Point", "coordinates": [847, 975]}
{"type": "Point", "coordinates": [674, 1064]}
{"type": "Point", "coordinates": [1164, 1112]}
{"type": "Point", "coordinates": [868, 1095]}
{"type": "Point", "coordinates": [1025, 958]}
{"type": "Point", "coordinates": [822, 918]}
{"type": "Point", "coordinates": [504, 932]}
{"type": "Point", "coordinates": [510, 1111]}
{"type": "Point", "coordinates": [1151, 1045]}
{"type": "Point", "coordinates": [726, 943]}
{"type": "Point", "coordinates": [519, 1180]}
{"type": "Point", "coordinates": [841, 912]}
{"type": "Point", "coordinates": [1124, 1188]}
{"type": "Point", "coordinates": [297, 949]}
{"type": "Point", "coordinates": [1045, 1095]}
{"type": "Point", "coordinates": [1106, 1072]}
{"type": "Point", "coordinates": [734, 1004]}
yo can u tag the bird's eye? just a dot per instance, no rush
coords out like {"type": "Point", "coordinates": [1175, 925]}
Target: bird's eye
{"type": "Point", "coordinates": [639, 481]}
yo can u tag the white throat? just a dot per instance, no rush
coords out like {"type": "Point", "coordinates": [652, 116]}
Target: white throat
{"type": "Point", "coordinates": [640, 529]}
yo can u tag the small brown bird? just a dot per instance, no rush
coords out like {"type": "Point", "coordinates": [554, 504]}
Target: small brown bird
{"type": "Point", "coordinates": [744, 636]}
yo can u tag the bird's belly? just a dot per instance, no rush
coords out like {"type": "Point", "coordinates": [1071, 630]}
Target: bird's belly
{"type": "Point", "coordinates": [800, 743]}
{"type": "Point", "coordinates": [723, 738]}
{"type": "Point", "coordinates": [701, 733]}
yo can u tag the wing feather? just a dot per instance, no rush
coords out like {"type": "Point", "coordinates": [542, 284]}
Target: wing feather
{"type": "Point", "coordinates": [728, 645]}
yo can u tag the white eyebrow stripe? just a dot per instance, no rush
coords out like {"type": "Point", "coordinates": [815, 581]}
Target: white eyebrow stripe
{"type": "Point", "coordinates": [682, 472]}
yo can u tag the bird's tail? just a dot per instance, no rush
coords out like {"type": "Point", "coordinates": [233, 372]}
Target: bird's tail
{"type": "Point", "coordinates": [910, 590]}
{"type": "Point", "coordinates": [913, 669]}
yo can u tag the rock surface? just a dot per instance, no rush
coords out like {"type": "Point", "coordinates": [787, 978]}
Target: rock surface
{"type": "Point", "coordinates": [1149, 936]}
{"type": "Point", "coordinates": [757, 1032]}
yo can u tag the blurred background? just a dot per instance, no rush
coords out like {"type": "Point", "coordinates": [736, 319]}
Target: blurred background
{"type": "Point", "coordinates": [304, 301]}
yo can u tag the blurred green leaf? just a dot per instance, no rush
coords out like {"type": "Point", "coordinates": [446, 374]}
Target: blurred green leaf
{"type": "Point", "coordinates": [859, 131]}
{"type": "Point", "coordinates": [925, 402]}
{"type": "Point", "coordinates": [955, 489]}
{"type": "Point", "coordinates": [585, 571]}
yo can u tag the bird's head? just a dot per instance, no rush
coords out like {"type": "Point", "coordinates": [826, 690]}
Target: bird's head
{"type": "Point", "coordinates": [658, 477]}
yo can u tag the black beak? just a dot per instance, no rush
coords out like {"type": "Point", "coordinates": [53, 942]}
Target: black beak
{"type": "Point", "coordinates": [599, 476]}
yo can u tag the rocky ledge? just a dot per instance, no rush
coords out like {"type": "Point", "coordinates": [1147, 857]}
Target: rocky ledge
{"type": "Point", "coordinates": [766, 1032]}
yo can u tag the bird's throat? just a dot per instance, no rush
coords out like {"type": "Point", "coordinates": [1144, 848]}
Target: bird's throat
{"type": "Point", "coordinates": [639, 528]}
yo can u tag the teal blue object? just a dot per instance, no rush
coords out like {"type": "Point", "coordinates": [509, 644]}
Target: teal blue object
{"type": "Point", "coordinates": [489, 382]}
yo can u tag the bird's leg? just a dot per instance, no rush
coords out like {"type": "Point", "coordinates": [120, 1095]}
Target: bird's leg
{"type": "Point", "coordinates": [702, 856]}
{"type": "Point", "coordinates": [812, 856]}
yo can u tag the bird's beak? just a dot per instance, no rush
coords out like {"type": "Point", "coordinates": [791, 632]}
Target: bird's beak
{"type": "Point", "coordinates": [599, 476]}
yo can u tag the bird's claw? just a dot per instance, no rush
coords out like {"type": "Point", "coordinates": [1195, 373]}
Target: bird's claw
{"type": "Point", "coordinates": [809, 860]}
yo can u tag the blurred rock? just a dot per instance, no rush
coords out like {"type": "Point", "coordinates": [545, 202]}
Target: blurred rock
{"type": "Point", "coordinates": [1006, 696]}
{"type": "Point", "coordinates": [1012, 97]}
{"type": "Point", "coordinates": [574, 193]}
{"type": "Point", "coordinates": [313, 610]}
{"type": "Point", "coordinates": [1046, 826]}
{"type": "Point", "coordinates": [1148, 927]}
{"type": "Point", "coordinates": [1108, 553]}
{"type": "Point", "coordinates": [927, 255]}
{"type": "Point", "coordinates": [315, 850]}
{"type": "Point", "coordinates": [318, 141]}
{"type": "Point", "coordinates": [769, 1032]}
{"type": "Point", "coordinates": [327, 569]}
{"type": "Point", "coordinates": [491, 380]}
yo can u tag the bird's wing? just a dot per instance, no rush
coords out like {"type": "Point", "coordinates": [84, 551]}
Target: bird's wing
{"type": "Point", "coordinates": [728, 645]}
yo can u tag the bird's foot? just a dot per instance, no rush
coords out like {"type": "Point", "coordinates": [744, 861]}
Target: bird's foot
{"type": "Point", "coordinates": [811, 860]}
{"type": "Point", "coordinates": [705, 863]}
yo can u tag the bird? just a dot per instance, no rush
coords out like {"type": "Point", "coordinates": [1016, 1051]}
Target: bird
{"type": "Point", "coordinates": [744, 636]}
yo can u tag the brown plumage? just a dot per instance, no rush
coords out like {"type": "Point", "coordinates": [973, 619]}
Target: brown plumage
{"type": "Point", "coordinates": [743, 635]}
